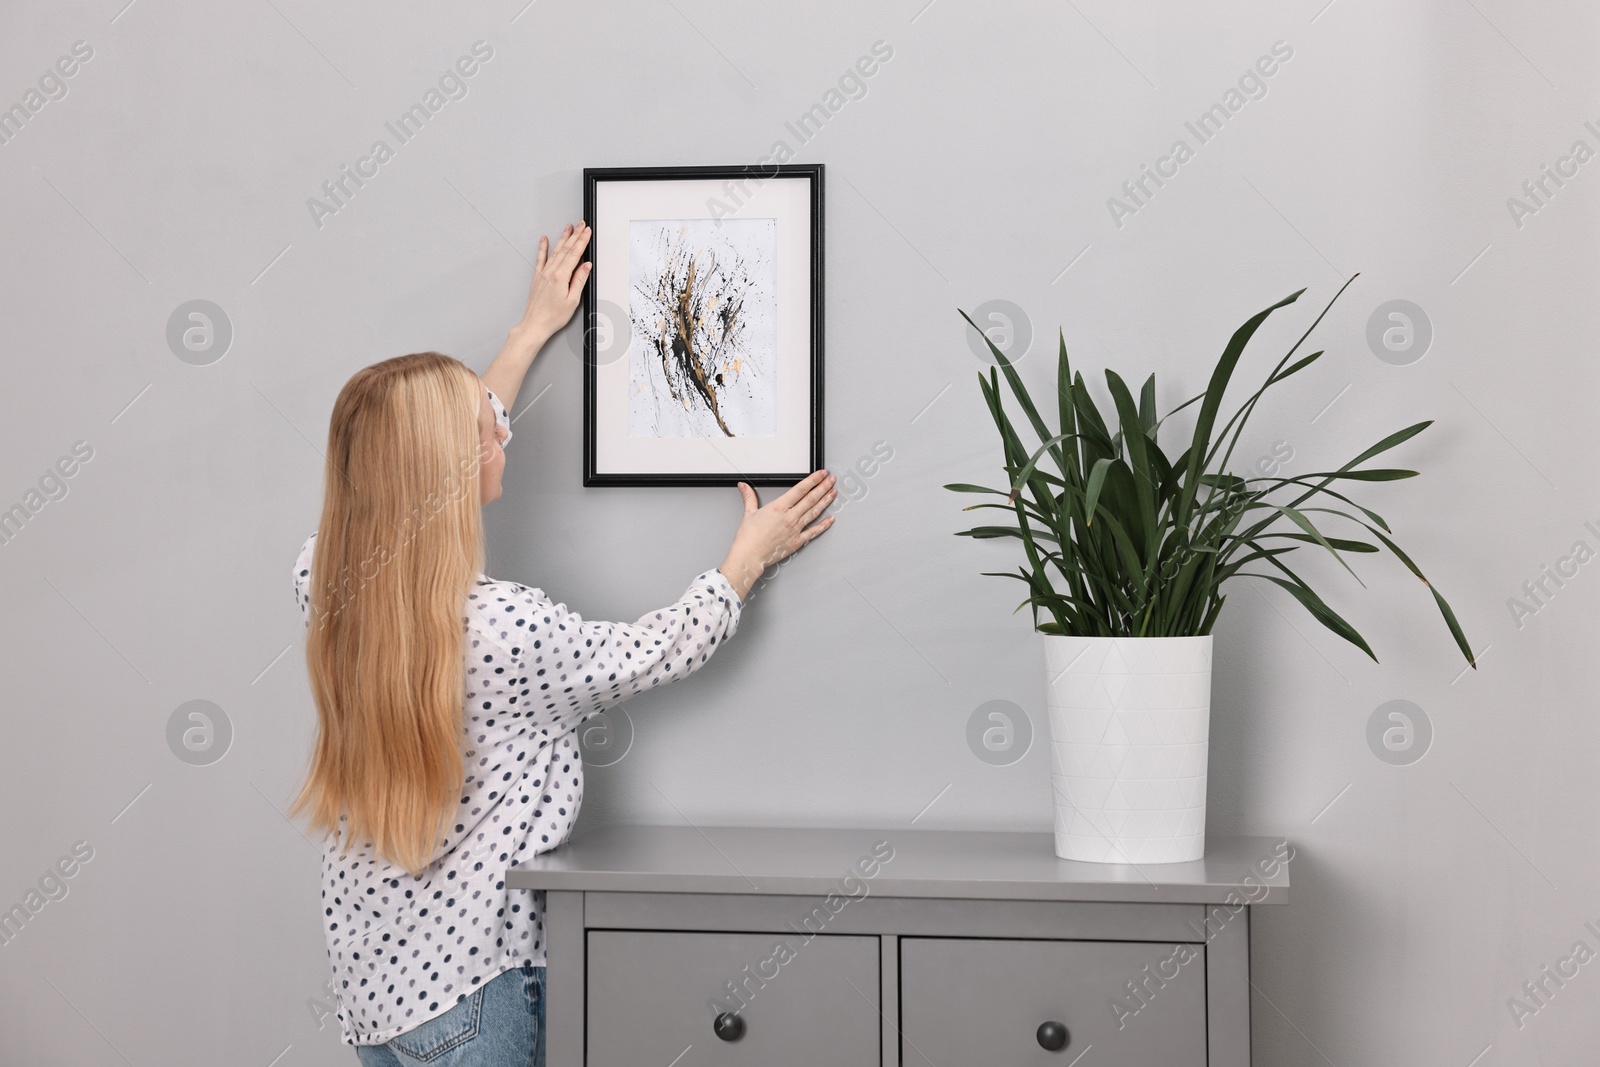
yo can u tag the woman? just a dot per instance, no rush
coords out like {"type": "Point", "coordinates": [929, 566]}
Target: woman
{"type": "Point", "coordinates": [448, 703]}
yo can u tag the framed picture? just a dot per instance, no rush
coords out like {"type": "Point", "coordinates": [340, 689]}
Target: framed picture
{"type": "Point", "coordinates": [703, 339]}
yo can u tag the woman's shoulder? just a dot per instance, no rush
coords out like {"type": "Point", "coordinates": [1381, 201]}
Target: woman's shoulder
{"type": "Point", "coordinates": [499, 596]}
{"type": "Point", "coordinates": [501, 610]}
{"type": "Point", "coordinates": [302, 575]}
{"type": "Point", "coordinates": [302, 561]}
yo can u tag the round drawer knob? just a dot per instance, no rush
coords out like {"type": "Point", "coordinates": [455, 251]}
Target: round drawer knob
{"type": "Point", "coordinates": [730, 1027]}
{"type": "Point", "coordinates": [1052, 1036]}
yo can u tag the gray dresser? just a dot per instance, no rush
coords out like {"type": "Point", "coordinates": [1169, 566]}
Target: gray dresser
{"type": "Point", "coordinates": [676, 946]}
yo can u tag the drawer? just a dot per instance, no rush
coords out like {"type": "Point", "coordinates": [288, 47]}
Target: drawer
{"type": "Point", "coordinates": [653, 996]}
{"type": "Point", "coordinates": [974, 1001]}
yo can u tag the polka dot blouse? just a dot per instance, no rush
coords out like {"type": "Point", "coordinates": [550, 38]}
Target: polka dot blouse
{"type": "Point", "coordinates": [405, 949]}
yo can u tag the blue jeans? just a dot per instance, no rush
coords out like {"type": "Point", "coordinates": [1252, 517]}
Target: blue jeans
{"type": "Point", "coordinates": [501, 1024]}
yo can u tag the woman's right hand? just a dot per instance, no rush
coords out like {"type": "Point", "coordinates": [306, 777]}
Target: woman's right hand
{"type": "Point", "coordinates": [771, 534]}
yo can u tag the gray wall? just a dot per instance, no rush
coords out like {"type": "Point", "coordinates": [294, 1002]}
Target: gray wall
{"type": "Point", "coordinates": [978, 166]}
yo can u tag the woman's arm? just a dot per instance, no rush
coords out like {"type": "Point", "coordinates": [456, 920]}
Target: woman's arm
{"type": "Point", "coordinates": [558, 280]}
{"type": "Point", "coordinates": [567, 668]}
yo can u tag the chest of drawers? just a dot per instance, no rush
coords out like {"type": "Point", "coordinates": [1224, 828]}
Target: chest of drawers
{"type": "Point", "coordinates": [730, 946]}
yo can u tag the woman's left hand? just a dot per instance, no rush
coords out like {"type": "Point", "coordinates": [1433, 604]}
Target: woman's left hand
{"type": "Point", "coordinates": [558, 280]}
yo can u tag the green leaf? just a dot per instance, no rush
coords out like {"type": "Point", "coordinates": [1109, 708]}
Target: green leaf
{"type": "Point", "coordinates": [964, 487]}
{"type": "Point", "coordinates": [1138, 456]}
{"type": "Point", "coordinates": [1342, 544]}
{"type": "Point", "coordinates": [1033, 461]}
{"type": "Point", "coordinates": [1097, 482]}
{"type": "Point", "coordinates": [1147, 407]}
{"type": "Point", "coordinates": [1215, 389]}
{"type": "Point", "coordinates": [1242, 416]}
{"type": "Point", "coordinates": [986, 532]}
{"type": "Point", "coordinates": [1319, 611]}
{"type": "Point", "coordinates": [1071, 471]}
{"type": "Point", "coordinates": [1305, 524]}
{"type": "Point", "coordinates": [1300, 364]}
{"type": "Point", "coordinates": [1371, 474]}
{"type": "Point", "coordinates": [1091, 425]}
{"type": "Point", "coordinates": [1300, 480]}
{"type": "Point", "coordinates": [1399, 437]}
{"type": "Point", "coordinates": [1443, 605]}
{"type": "Point", "coordinates": [1017, 388]}
{"type": "Point", "coordinates": [1192, 400]}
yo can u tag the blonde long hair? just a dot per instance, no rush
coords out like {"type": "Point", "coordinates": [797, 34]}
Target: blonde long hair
{"type": "Point", "coordinates": [399, 546]}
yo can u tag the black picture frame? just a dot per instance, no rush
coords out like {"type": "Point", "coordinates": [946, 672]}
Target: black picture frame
{"type": "Point", "coordinates": [592, 177]}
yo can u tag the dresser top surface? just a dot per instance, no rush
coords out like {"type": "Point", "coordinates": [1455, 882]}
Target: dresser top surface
{"type": "Point", "coordinates": [965, 864]}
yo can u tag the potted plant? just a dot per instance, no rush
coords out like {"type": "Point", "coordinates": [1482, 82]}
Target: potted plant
{"type": "Point", "coordinates": [1127, 552]}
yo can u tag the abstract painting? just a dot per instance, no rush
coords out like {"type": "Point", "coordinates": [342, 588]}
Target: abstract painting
{"type": "Point", "coordinates": [702, 325]}
{"type": "Point", "coordinates": [702, 307]}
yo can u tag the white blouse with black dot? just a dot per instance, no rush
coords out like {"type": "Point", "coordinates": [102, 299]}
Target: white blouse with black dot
{"type": "Point", "coordinates": [405, 949]}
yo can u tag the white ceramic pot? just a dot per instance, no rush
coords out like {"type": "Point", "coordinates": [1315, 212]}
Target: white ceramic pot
{"type": "Point", "coordinates": [1130, 719]}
